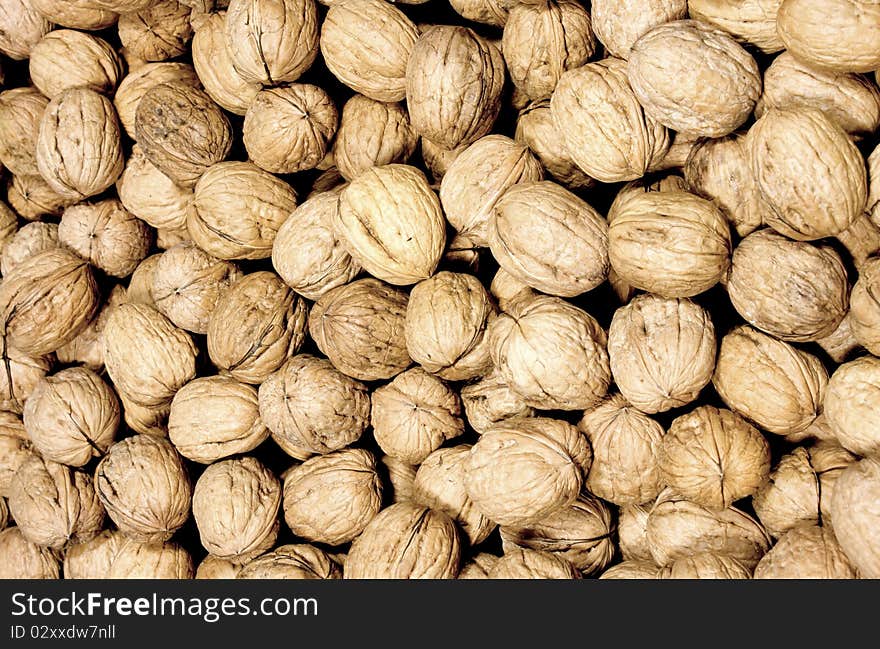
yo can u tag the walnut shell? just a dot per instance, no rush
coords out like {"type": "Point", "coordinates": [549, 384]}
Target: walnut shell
{"type": "Point", "coordinates": [861, 240]}
{"type": "Point", "coordinates": [806, 552]}
{"type": "Point", "coordinates": [213, 568]}
{"type": "Point", "coordinates": [618, 24]}
{"type": "Point", "coordinates": [490, 400]}
{"type": "Point", "coordinates": [291, 562]}
{"type": "Point", "coordinates": [47, 300]}
{"type": "Point", "coordinates": [454, 80]}
{"type": "Point", "coordinates": [76, 14]}
{"type": "Point", "coordinates": [72, 416]}
{"type": "Point", "coordinates": [310, 405]}
{"type": "Point", "coordinates": [360, 328]}
{"type": "Point", "coordinates": [772, 383]}
{"type": "Point", "coordinates": [151, 195]}
{"type": "Point", "coordinates": [523, 469]}
{"type": "Point", "coordinates": [331, 498]}
{"type": "Point", "coordinates": [158, 32]}
{"type": "Point", "coordinates": [390, 221]}
{"type": "Point", "coordinates": [864, 313]}
{"type": "Point", "coordinates": [536, 129]}
{"type": "Point", "coordinates": [405, 541]}
{"type": "Point", "coordinates": [437, 159]}
{"type": "Point", "coordinates": [147, 420]}
{"type": "Point", "coordinates": [66, 58]}
{"type": "Point", "coordinates": [15, 448]}
{"type": "Point", "coordinates": [552, 353]}
{"type": "Point", "coordinates": [212, 60]}
{"type": "Point", "coordinates": [138, 560]}
{"type": "Point", "coordinates": [632, 532]}
{"type": "Point", "coordinates": [521, 563]}
{"type": "Point", "coordinates": [401, 478]}
{"type": "Point", "coordinates": [31, 239]}
{"type": "Point", "coordinates": [144, 485]}
{"type": "Point", "coordinates": [632, 569]}
{"type": "Point", "coordinates": [752, 22]}
{"type": "Point", "coordinates": [19, 375]}
{"type": "Point", "coordinates": [79, 148]}
{"type": "Point", "coordinates": [661, 351]}
{"type": "Point", "coordinates": [181, 131]}
{"type": "Point", "coordinates": [488, 12]}
{"type": "Point", "coordinates": [21, 27]}
{"type": "Point", "coordinates": [705, 565]}
{"type": "Point", "coordinates": [851, 405]}
{"type": "Point", "coordinates": [608, 134]}
{"type": "Point", "coordinates": [289, 129]}
{"type": "Point", "coordinates": [25, 560]}
{"type": "Point", "coordinates": [137, 82]}
{"type": "Point", "coordinates": [235, 506]}
{"type": "Point", "coordinates": [793, 290]}
{"type": "Point", "coordinates": [8, 224]}
{"type": "Point", "coordinates": [32, 197]}
{"type": "Point", "coordinates": [855, 517]}
{"type": "Point", "coordinates": [87, 348]}
{"type": "Point", "coordinates": [140, 284]}
{"type": "Point", "coordinates": [506, 289]}
{"type": "Point", "coordinates": [446, 320]}
{"type": "Point", "coordinates": [873, 204]}
{"type": "Point", "coordinates": [478, 567]}
{"type": "Point", "coordinates": [92, 559]}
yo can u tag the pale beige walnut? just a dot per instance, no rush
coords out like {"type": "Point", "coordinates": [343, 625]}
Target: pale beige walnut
{"type": "Point", "coordinates": [237, 208]}
{"type": "Point", "coordinates": [145, 487]}
{"type": "Point", "coordinates": [446, 320]}
{"type": "Point", "coordinates": [806, 552]}
{"type": "Point", "coordinates": [774, 384]}
{"type": "Point", "coordinates": [235, 506]}
{"type": "Point", "coordinates": [66, 58]}
{"type": "Point", "coordinates": [852, 101]}
{"type": "Point", "coordinates": [678, 528]}
{"type": "Point", "coordinates": [310, 405]}
{"type": "Point", "coordinates": [454, 80]}
{"type": "Point", "coordinates": [390, 221]}
{"type": "Point", "coordinates": [625, 443]}
{"type": "Point", "coordinates": [256, 325]}
{"type": "Point", "coordinates": [53, 504]}
{"type": "Point", "coordinates": [752, 22]}
{"type": "Point", "coordinates": [353, 34]}
{"type": "Point", "coordinates": [694, 78]}
{"type": "Point", "coordinates": [818, 430]}
{"type": "Point", "coordinates": [187, 283]}
{"type": "Point", "coordinates": [92, 559]}
{"type": "Point", "coordinates": [19, 375]}
{"type": "Point", "coordinates": [855, 515]}
{"type": "Point", "coordinates": [580, 533]}
{"type": "Point", "coordinates": [873, 204]}
{"type": "Point", "coordinates": [705, 565]}
{"type": "Point", "coordinates": [490, 400]}
{"type": "Point", "coordinates": [123, 6]}
{"type": "Point", "coordinates": [544, 39]}
{"type": "Point", "coordinates": [437, 159]}
{"type": "Point", "coordinates": [371, 134]}
{"type": "Point", "coordinates": [212, 60]}
{"type": "Point", "coordinates": [679, 149]}
{"type": "Point", "coordinates": [307, 253]}
{"type": "Point", "coordinates": [155, 560]}
{"type": "Point", "coordinates": [864, 313]}
{"type": "Point", "coordinates": [146, 356]}
{"type": "Point", "coordinates": [32, 197]}
{"type": "Point", "coordinates": [21, 27]}
{"type": "Point", "coordinates": [825, 192]}
{"type": "Point", "coordinates": [158, 32]}
{"type": "Point", "coordinates": [22, 559]}
{"type": "Point", "coordinates": [861, 240]}
{"type": "Point", "coordinates": [360, 327]}
{"type": "Point", "coordinates": [181, 130]}
{"type": "Point", "coordinates": [405, 541]}
{"type": "Point", "coordinates": [793, 290]}
{"type": "Point", "coordinates": [213, 568]}
{"type": "Point", "coordinates": [76, 14]}
{"type": "Point", "coordinates": [272, 41]}
{"type": "Point", "coordinates": [140, 284]}
{"type": "Point", "coordinates": [107, 235]}
{"type": "Point", "coordinates": [147, 420]}
{"type": "Point", "coordinates": [15, 448]}
{"type": "Point", "coordinates": [213, 417]}
{"type": "Point", "coordinates": [536, 129]}
{"type": "Point", "coordinates": [87, 348]}
{"type": "Point", "coordinates": [840, 35]}
{"type": "Point", "coordinates": [522, 563]}
{"type": "Point", "coordinates": [800, 487]}
{"type": "Point", "coordinates": [47, 300]}
{"type": "Point", "coordinates": [289, 129]}
{"type": "Point", "coordinates": [462, 253]}
{"type": "Point", "coordinates": [151, 195]}
{"type": "Point", "coordinates": [713, 457]}
{"type": "Point", "coordinates": [72, 416]}
{"type": "Point", "coordinates": [661, 351]}
{"type": "Point", "coordinates": [137, 82]}
{"type": "Point", "coordinates": [8, 224]}
{"type": "Point", "coordinates": [851, 405]}
{"type": "Point", "coordinates": [414, 415]}
{"type": "Point", "coordinates": [291, 562]}
{"type": "Point", "coordinates": [331, 498]}
{"type": "Point", "coordinates": [551, 352]}
{"type": "Point", "coordinates": [79, 147]}
{"type": "Point", "coordinates": [521, 470]}
{"type": "Point", "coordinates": [488, 12]}
{"type": "Point", "coordinates": [632, 569]}
{"type": "Point", "coordinates": [607, 132]}
{"type": "Point", "coordinates": [31, 239]}
{"type": "Point", "coordinates": [477, 178]}
{"type": "Point", "coordinates": [721, 171]}
{"type": "Point", "coordinates": [439, 484]}
{"type": "Point", "coordinates": [632, 532]}
{"type": "Point", "coordinates": [505, 288]}
{"type": "Point", "coordinates": [478, 567]}
{"type": "Point", "coordinates": [400, 477]}
{"type": "Point", "coordinates": [618, 24]}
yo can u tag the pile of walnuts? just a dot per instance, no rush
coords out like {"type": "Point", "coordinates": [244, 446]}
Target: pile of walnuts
{"type": "Point", "coordinates": [478, 289]}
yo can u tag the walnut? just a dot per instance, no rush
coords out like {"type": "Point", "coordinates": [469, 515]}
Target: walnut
{"type": "Point", "coordinates": [235, 506]}
{"type": "Point", "coordinates": [124, 6]}
{"type": "Point", "coordinates": [21, 27]}
{"type": "Point", "coordinates": [390, 221]}
{"type": "Point", "coordinates": [360, 327]}
{"type": "Point", "coordinates": [213, 417]}
{"type": "Point", "coordinates": [454, 80]}
{"type": "Point", "coordinates": [851, 408]}
{"type": "Point", "coordinates": [488, 12]}
{"type": "Point", "coordinates": [705, 565]}
{"type": "Point", "coordinates": [632, 532]}
{"type": "Point", "coordinates": [289, 129]}
{"type": "Point", "coordinates": [137, 82]}
{"type": "Point", "coordinates": [855, 518]}
{"type": "Point", "coordinates": [806, 552]}
{"type": "Point", "coordinates": [536, 129]}
{"type": "Point", "coordinates": [864, 313]}
{"type": "Point", "coordinates": [15, 448]}
{"type": "Point", "coordinates": [506, 289]}
{"type": "Point", "coordinates": [751, 22]}
{"type": "Point", "coordinates": [405, 541]}
{"type": "Point", "coordinates": [291, 562]}
{"type": "Point", "coordinates": [414, 415]}
{"type": "Point", "coordinates": [490, 400]}
{"type": "Point", "coordinates": [53, 504]}
{"type": "Point", "coordinates": [66, 58]}
{"type": "Point", "coordinates": [632, 569]}
{"type": "Point", "coordinates": [32, 197]}
{"type": "Point", "coordinates": [213, 568]}
{"type": "Point", "coordinates": [147, 420]}
{"type": "Point", "coordinates": [72, 416]}
{"type": "Point", "coordinates": [437, 159]}
{"type": "Point", "coordinates": [310, 405]}
{"type": "Point", "coordinates": [93, 558]}
{"type": "Point", "coordinates": [144, 485]}
{"type": "Point", "coordinates": [331, 498]}
{"type": "Point", "coordinates": [620, 23]}
{"type": "Point", "coordinates": [772, 383]}
{"type": "Point", "coordinates": [607, 133]}
{"type": "Point", "coordinates": [140, 284]}
{"type": "Point", "coordinates": [521, 563]}
{"type": "Point", "coordinates": [793, 290]}
{"type": "Point", "coordinates": [151, 195]}
{"type": "Point", "coordinates": [22, 559]}
{"type": "Point", "coordinates": [478, 567]}
{"type": "Point", "coordinates": [31, 239]}
{"type": "Point", "coordinates": [401, 479]}
{"type": "Point", "coordinates": [155, 560]}
{"type": "Point", "coordinates": [76, 14]}
{"type": "Point", "coordinates": [861, 240]}
{"type": "Point", "coordinates": [159, 31]}
{"type": "Point", "coordinates": [523, 469]}
{"type": "Point", "coordinates": [19, 375]}
{"type": "Point", "coordinates": [212, 60]}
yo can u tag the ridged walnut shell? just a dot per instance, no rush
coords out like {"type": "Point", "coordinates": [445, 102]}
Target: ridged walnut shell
{"type": "Point", "coordinates": [137, 82]}
{"type": "Point", "coordinates": [15, 448]}
{"type": "Point", "coordinates": [851, 405]}
{"type": "Point", "coordinates": [864, 310]}
{"type": "Point", "coordinates": [632, 569]}
{"type": "Point", "coordinates": [21, 110]}
{"type": "Point", "coordinates": [490, 400]}
{"type": "Point", "coordinates": [21, 27]}
{"type": "Point", "coordinates": [138, 560]}
{"type": "Point", "coordinates": [751, 22]}
{"type": "Point", "coordinates": [855, 516]}
{"type": "Point", "coordinates": [76, 14]}
{"type": "Point", "coordinates": [478, 567]}
{"type": "Point", "coordinates": [618, 24]}
{"type": "Point", "coordinates": [806, 552]}
{"type": "Point", "coordinates": [291, 562]}
{"type": "Point", "coordinates": [488, 12]}
{"type": "Point", "coordinates": [521, 563]}
{"type": "Point", "coordinates": [213, 568]}
{"type": "Point", "coordinates": [212, 60]}
{"type": "Point", "coordinates": [66, 58]}
{"type": "Point", "coordinates": [158, 32]}
{"type": "Point", "coordinates": [151, 195]}
{"type": "Point", "coordinates": [536, 129]}
{"type": "Point", "coordinates": [31, 239]}
{"type": "Point", "coordinates": [22, 559]}
{"type": "Point", "coordinates": [400, 478]}
{"type": "Point", "coordinates": [92, 559]}
{"type": "Point", "coordinates": [87, 348]}
{"type": "Point", "coordinates": [705, 565]}
{"type": "Point", "coordinates": [31, 197]}
{"type": "Point", "coordinates": [632, 532]}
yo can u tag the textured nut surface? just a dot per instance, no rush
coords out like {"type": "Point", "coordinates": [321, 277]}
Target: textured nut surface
{"type": "Point", "coordinates": [806, 552]}
{"type": "Point", "coordinates": [478, 567]}
{"type": "Point", "coordinates": [15, 448]}
{"type": "Point", "coordinates": [521, 563]}
{"type": "Point", "coordinates": [66, 58]}
{"type": "Point", "coordinates": [135, 84]}
{"type": "Point", "coordinates": [32, 197]}
{"type": "Point", "coordinates": [489, 12]}
{"type": "Point", "coordinates": [536, 129]}
{"type": "Point", "coordinates": [151, 195]}
{"type": "Point", "coordinates": [87, 348]}
{"type": "Point", "coordinates": [705, 565]}
{"type": "Point", "coordinates": [213, 568]}
{"type": "Point", "coordinates": [748, 21]}
{"type": "Point", "coordinates": [400, 478]}
{"type": "Point", "coordinates": [620, 23]}
{"type": "Point", "coordinates": [76, 14]}
{"type": "Point", "coordinates": [21, 27]}
{"type": "Point", "coordinates": [632, 530]}
{"type": "Point", "coordinates": [92, 559]}
{"type": "Point", "coordinates": [632, 569]}
{"type": "Point", "coordinates": [30, 560]}
{"type": "Point", "coordinates": [291, 562]}
{"type": "Point", "coordinates": [138, 560]}
{"type": "Point", "coordinates": [212, 60]}
{"type": "Point", "coordinates": [856, 518]}
{"type": "Point", "coordinates": [19, 376]}
{"type": "Point", "coordinates": [864, 313]}
{"type": "Point", "coordinates": [29, 240]}
{"type": "Point", "coordinates": [490, 400]}
{"type": "Point", "coordinates": [851, 405]}
{"type": "Point", "coordinates": [157, 32]}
